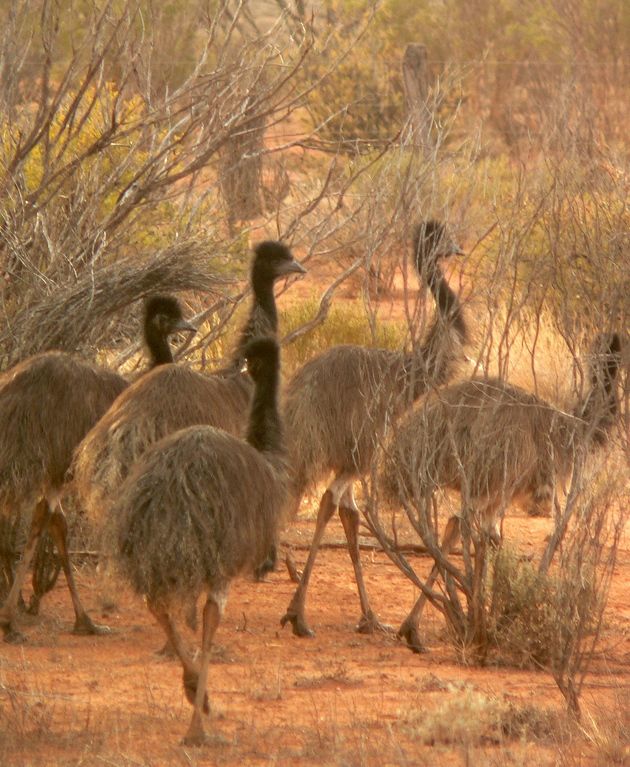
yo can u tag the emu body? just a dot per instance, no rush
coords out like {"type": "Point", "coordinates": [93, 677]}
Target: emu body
{"type": "Point", "coordinates": [339, 405]}
{"type": "Point", "coordinates": [47, 405]}
{"type": "Point", "coordinates": [200, 507]}
{"type": "Point", "coordinates": [495, 443]}
{"type": "Point", "coordinates": [175, 396]}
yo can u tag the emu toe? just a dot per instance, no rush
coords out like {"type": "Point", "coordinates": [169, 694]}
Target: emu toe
{"type": "Point", "coordinates": [411, 635]}
{"type": "Point", "coordinates": [196, 735]}
{"type": "Point", "coordinates": [13, 636]}
{"type": "Point", "coordinates": [84, 625]}
{"type": "Point", "coordinates": [268, 566]}
{"type": "Point", "coordinates": [370, 625]}
{"type": "Point", "coordinates": [167, 650]}
{"type": "Point", "coordinates": [33, 605]}
{"type": "Point", "coordinates": [298, 624]}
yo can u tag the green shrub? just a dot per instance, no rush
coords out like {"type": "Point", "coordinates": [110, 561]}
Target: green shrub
{"type": "Point", "coordinates": [533, 616]}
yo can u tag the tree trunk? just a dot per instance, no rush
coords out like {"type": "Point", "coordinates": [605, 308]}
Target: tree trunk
{"type": "Point", "coordinates": [415, 72]}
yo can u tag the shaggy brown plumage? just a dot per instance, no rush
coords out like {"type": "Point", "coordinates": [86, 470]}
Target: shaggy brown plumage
{"type": "Point", "coordinates": [200, 507]}
{"type": "Point", "coordinates": [175, 397]}
{"type": "Point", "coordinates": [495, 443]}
{"type": "Point", "coordinates": [47, 405]}
{"type": "Point", "coordinates": [339, 405]}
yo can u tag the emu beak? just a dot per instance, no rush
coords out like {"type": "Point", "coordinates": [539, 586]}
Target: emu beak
{"type": "Point", "coordinates": [293, 267]}
{"type": "Point", "coordinates": [184, 325]}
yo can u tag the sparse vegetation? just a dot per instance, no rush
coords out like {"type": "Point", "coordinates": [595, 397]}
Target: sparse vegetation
{"type": "Point", "coordinates": [147, 146]}
{"type": "Point", "coordinates": [468, 717]}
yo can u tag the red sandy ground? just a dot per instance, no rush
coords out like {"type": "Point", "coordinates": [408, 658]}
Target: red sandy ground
{"type": "Point", "coordinates": [338, 699]}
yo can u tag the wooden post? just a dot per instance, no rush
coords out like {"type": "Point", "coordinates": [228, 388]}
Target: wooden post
{"type": "Point", "coordinates": [415, 72]}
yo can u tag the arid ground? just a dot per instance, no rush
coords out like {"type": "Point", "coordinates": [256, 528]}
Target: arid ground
{"type": "Point", "coordinates": [338, 699]}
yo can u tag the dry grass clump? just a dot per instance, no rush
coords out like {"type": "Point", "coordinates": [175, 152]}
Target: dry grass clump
{"type": "Point", "coordinates": [79, 315]}
{"type": "Point", "coordinates": [609, 734]}
{"type": "Point", "coordinates": [471, 718]}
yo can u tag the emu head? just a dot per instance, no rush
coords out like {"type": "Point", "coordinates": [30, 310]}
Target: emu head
{"type": "Point", "coordinates": [163, 314]}
{"type": "Point", "coordinates": [431, 241]}
{"type": "Point", "coordinates": [272, 260]}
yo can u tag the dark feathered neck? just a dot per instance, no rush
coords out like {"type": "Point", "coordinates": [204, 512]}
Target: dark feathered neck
{"type": "Point", "coordinates": [265, 429]}
{"type": "Point", "coordinates": [433, 362]}
{"type": "Point", "coordinates": [449, 310]}
{"type": "Point", "coordinates": [263, 315]}
{"type": "Point", "coordinates": [600, 406]}
{"type": "Point", "coordinates": [158, 346]}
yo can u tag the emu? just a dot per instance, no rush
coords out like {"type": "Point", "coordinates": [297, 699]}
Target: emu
{"type": "Point", "coordinates": [175, 396]}
{"type": "Point", "coordinates": [339, 404]}
{"type": "Point", "coordinates": [199, 508]}
{"type": "Point", "coordinates": [47, 404]}
{"type": "Point", "coordinates": [495, 443]}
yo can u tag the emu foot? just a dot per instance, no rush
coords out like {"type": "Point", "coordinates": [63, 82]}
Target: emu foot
{"type": "Point", "coordinates": [190, 689]}
{"type": "Point", "coordinates": [263, 569]}
{"type": "Point", "coordinates": [13, 636]}
{"type": "Point", "coordinates": [84, 625]}
{"type": "Point", "coordinates": [298, 624]}
{"type": "Point", "coordinates": [268, 565]}
{"type": "Point", "coordinates": [167, 650]}
{"type": "Point", "coordinates": [196, 735]}
{"type": "Point", "coordinates": [195, 739]}
{"type": "Point", "coordinates": [538, 511]}
{"type": "Point", "coordinates": [369, 624]}
{"type": "Point", "coordinates": [33, 605]}
{"type": "Point", "coordinates": [411, 635]}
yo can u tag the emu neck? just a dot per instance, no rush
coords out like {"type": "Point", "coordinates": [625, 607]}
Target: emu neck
{"type": "Point", "coordinates": [447, 302]}
{"type": "Point", "coordinates": [265, 431]}
{"type": "Point", "coordinates": [599, 408]}
{"type": "Point", "coordinates": [158, 346]}
{"type": "Point", "coordinates": [431, 365]}
{"type": "Point", "coordinates": [263, 316]}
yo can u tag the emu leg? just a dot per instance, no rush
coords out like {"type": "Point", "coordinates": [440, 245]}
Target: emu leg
{"type": "Point", "coordinates": [212, 612]}
{"type": "Point", "coordinates": [83, 624]}
{"type": "Point", "coordinates": [294, 574]}
{"type": "Point", "coordinates": [9, 608]}
{"type": "Point", "coordinates": [295, 610]}
{"type": "Point", "coordinates": [368, 622]}
{"type": "Point", "coordinates": [174, 640]}
{"type": "Point", "coordinates": [8, 536]}
{"type": "Point", "coordinates": [46, 569]}
{"type": "Point", "coordinates": [268, 565]}
{"type": "Point", "coordinates": [409, 627]}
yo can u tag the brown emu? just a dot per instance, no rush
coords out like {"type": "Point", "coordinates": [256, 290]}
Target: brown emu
{"type": "Point", "coordinates": [199, 508]}
{"type": "Point", "coordinates": [176, 396]}
{"type": "Point", "coordinates": [338, 406]}
{"type": "Point", "coordinates": [47, 405]}
{"type": "Point", "coordinates": [495, 443]}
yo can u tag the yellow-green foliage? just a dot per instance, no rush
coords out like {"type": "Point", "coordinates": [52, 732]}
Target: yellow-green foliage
{"type": "Point", "coordinates": [534, 616]}
{"type": "Point", "coordinates": [84, 175]}
{"type": "Point", "coordinates": [345, 324]}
